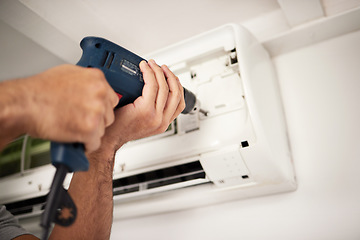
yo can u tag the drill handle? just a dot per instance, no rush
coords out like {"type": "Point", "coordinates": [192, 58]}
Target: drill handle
{"type": "Point", "coordinates": [72, 155]}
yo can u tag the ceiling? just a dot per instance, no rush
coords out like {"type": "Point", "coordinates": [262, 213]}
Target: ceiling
{"type": "Point", "coordinates": [38, 34]}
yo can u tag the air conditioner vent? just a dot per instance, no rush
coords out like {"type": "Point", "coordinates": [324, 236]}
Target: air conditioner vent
{"type": "Point", "coordinates": [26, 206]}
{"type": "Point", "coordinates": [122, 186]}
{"type": "Point", "coordinates": [159, 178]}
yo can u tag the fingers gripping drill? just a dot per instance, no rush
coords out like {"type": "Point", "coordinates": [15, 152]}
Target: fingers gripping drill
{"type": "Point", "coordinates": [121, 69]}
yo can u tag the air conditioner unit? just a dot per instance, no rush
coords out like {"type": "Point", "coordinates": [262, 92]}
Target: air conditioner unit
{"type": "Point", "coordinates": [239, 150]}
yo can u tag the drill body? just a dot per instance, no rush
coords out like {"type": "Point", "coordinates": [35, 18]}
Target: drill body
{"type": "Point", "coordinates": [121, 70]}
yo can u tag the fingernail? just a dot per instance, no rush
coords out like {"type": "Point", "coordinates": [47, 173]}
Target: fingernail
{"type": "Point", "coordinates": [142, 63]}
{"type": "Point", "coordinates": [153, 61]}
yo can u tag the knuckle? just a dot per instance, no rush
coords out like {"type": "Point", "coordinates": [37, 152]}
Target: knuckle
{"type": "Point", "coordinates": [98, 78]}
{"type": "Point", "coordinates": [102, 87]}
{"type": "Point", "coordinates": [99, 93]}
{"type": "Point", "coordinates": [156, 86]}
{"type": "Point", "coordinates": [91, 123]}
{"type": "Point", "coordinates": [158, 70]}
{"type": "Point", "coordinates": [97, 73]}
{"type": "Point", "coordinates": [177, 94]}
{"type": "Point", "coordinates": [164, 88]}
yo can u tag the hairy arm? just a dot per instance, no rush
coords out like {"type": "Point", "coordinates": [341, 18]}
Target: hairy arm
{"type": "Point", "coordinates": [92, 194]}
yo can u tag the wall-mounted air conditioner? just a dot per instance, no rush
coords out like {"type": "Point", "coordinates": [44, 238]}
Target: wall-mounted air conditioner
{"type": "Point", "coordinates": [239, 150]}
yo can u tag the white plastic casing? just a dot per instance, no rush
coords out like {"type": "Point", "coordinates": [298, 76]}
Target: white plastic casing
{"type": "Point", "coordinates": [242, 144]}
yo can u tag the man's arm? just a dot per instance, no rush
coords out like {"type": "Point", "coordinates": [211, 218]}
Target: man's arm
{"type": "Point", "coordinates": [66, 103]}
{"type": "Point", "coordinates": [161, 102]}
{"type": "Point", "coordinates": [91, 191]}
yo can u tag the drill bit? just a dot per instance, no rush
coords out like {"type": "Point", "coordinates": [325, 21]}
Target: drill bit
{"type": "Point", "coordinates": [203, 112]}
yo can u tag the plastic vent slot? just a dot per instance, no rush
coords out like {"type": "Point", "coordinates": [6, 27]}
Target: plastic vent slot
{"type": "Point", "coordinates": [26, 206]}
{"type": "Point", "coordinates": [159, 178]}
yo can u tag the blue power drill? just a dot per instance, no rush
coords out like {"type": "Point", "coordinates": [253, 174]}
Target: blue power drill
{"type": "Point", "coordinates": [121, 70]}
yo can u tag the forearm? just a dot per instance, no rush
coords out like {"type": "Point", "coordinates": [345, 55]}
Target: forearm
{"type": "Point", "coordinates": [13, 110]}
{"type": "Point", "coordinates": [93, 196]}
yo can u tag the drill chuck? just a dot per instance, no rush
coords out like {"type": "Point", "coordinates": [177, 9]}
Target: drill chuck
{"type": "Point", "coordinates": [190, 102]}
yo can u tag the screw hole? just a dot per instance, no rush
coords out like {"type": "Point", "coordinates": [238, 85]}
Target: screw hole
{"type": "Point", "coordinates": [98, 45]}
{"type": "Point", "coordinates": [193, 75]}
{"type": "Point", "coordinates": [244, 144]}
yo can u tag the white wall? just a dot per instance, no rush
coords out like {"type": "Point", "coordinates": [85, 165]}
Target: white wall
{"type": "Point", "coordinates": [321, 92]}
{"type": "Point", "coordinates": [20, 56]}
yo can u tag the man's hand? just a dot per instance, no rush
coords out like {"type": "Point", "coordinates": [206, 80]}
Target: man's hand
{"type": "Point", "coordinates": [67, 104]}
{"type": "Point", "coordinates": [161, 102]}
